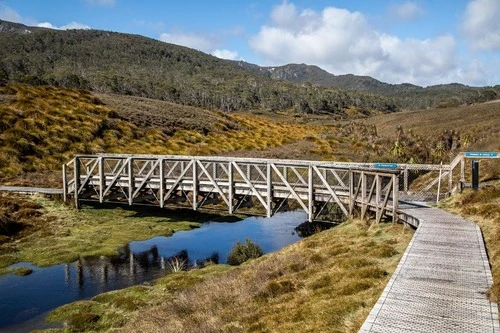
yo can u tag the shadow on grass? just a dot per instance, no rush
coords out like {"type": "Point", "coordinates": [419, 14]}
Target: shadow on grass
{"type": "Point", "coordinates": [180, 214]}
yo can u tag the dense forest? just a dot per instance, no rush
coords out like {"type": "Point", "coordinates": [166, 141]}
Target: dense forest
{"type": "Point", "coordinates": [406, 95]}
{"type": "Point", "coordinates": [134, 65]}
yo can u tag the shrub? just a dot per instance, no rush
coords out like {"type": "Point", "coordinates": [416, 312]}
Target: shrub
{"type": "Point", "coordinates": [242, 252]}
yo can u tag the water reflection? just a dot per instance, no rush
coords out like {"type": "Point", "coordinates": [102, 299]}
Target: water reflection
{"type": "Point", "coordinates": [24, 300]}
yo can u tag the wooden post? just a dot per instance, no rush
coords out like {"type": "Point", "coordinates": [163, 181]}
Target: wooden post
{"type": "Point", "coordinates": [231, 187]}
{"type": "Point", "coordinates": [310, 206]}
{"type": "Point", "coordinates": [130, 167]}
{"type": "Point", "coordinates": [351, 193]}
{"type": "Point", "coordinates": [405, 181]}
{"type": "Point", "coordinates": [395, 198]}
{"type": "Point", "coordinates": [162, 183]}
{"type": "Point", "coordinates": [249, 172]}
{"type": "Point", "coordinates": [378, 191]}
{"type": "Point", "coordinates": [363, 194]}
{"type": "Point", "coordinates": [65, 183]}
{"type": "Point", "coordinates": [462, 170]}
{"type": "Point", "coordinates": [195, 185]}
{"type": "Point", "coordinates": [269, 190]}
{"type": "Point", "coordinates": [77, 181]}
{"type": "Point", "coordinates": [102, 180]}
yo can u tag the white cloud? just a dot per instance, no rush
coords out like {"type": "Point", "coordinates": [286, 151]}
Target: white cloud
{"type": "Point", "coordinates": [8, 14]}
{"type": "Point", "coordinates": [101, 2]}
{"type": "Point", "coordinates": [72, 25]}
{"type": "Point", "coordinates": [406, 11]}
{"type": "Point", "coordinates": [226, 54]}
{"type": "Point", "coordinates": [481, 24]}
{"type": "Point", "coordinates": [342, 42]}
{"type": "Point", "coordinates": [194, 41]}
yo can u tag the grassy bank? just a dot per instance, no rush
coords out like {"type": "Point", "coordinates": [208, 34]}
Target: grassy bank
{"type": "Point", "coordinates": [325, 283]}
{"type": "Point", "coordinates": [46, 232]}
{"type": "Point", "coordinates": [483, 207]}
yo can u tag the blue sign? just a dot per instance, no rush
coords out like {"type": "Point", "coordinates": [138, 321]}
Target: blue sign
{"type": "Point", "coordinates": [386, 165]}
{"type": "Point", "coordinates": [481, 154]}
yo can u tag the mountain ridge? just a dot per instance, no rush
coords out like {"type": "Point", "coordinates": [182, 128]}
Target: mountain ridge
{"type": "Point", "coordinates": [131, 64]}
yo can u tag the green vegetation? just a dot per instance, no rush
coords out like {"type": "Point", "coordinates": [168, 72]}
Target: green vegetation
{"type": "Point", "coordinates": [320, 284]}
{"type": "Point", "coordinates": [134, 65]}
{"type": "Point", "coordinates": [50, 232]}
{"type": "Point", "coordinates": [243, 252]}
{"type": "Point", "coordinates": [404, 95]}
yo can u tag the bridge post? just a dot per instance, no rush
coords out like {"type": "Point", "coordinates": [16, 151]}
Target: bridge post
{"type": "Point", "coordinates": [363, 194]}
{"type": "Point", "coordinates": [65, 183]}
{"type": "Point", "coordinates": [395, 198]}
{"type": "Point", "coordinates": [351, 193]}
{"type": "Point", "coordinates": [77, 181]}
{"type": "Point", "coordinates": [162, 183]}
{"type": "Point", "coordinates": [130, 166]}
{"type": "Point", "coordinates": [102, 179]}
{"type": "Point", "coordinates": [231, 187]}
{"type": "Point", "coordinates": [195, 184]}
{"type": "Point", "coordinates": [269, 190]}
{"type": "Point", "coordinates": [405, 180]}
{"type": "Point", "coordinates": [378, 191]}
{"type": "Point", "coordinates": [310, 206]}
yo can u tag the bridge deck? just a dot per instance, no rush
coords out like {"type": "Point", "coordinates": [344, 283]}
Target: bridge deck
{"type": "Point", "coordinates": [440, 282]}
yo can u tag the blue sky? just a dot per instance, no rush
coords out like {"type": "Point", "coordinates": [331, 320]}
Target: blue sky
{"type": "Point", "coordinates": [424, 42]}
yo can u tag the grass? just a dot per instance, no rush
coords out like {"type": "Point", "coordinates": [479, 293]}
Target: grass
{"type": "Point", "coordinates": [320, 284]}
{"type": "Point", "coordinates": [51, 232]}
{"type": "Point", "coordinates": [483, 207]}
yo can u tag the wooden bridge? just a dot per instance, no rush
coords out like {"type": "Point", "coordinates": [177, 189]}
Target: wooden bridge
{"type": "Point", "coordinates": [234, 183]}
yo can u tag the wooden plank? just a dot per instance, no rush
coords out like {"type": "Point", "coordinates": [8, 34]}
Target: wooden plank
{"type": "Point", "coordinates": [441, 281]}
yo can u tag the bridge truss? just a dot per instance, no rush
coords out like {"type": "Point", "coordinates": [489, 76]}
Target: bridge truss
{"type": "Point", "coordinates": [232, 183]}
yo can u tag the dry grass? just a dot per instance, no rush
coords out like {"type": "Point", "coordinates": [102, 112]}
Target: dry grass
{"type": "Point", "coordinates": [483, 207]}
{"type": "Point", "coordinates": [325, 283]}
{"type": "Point", "coordinates": [42, 127]}
{"type": "Point", "coordinates": [481, 121]}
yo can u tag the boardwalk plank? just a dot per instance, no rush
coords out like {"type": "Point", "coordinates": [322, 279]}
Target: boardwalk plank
{"type": "Point", "coordinates": [441, 281]}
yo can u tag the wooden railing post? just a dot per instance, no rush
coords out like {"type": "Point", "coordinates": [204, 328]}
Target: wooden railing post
{"type": "Point", "coordinates": [65, 183]}
{"type": "Point", "coordinates": [77, 181]}
{"type": "Point", "coordinates": [195, 184]}
{"type": "Point", "coordinates": [351, 194]}
{"type": "Point", "coordinates": [269, 190]}
{"type": "Point", "coordinates": [378, 192]}
{"type": "Point", "coordinates": [310, 191]}
{"type": "Point", "coordinates": [102, 180]}
{"type": "Point", "coordinates": [231, 187]}
{"type": "Point", "coordinates": [162, 183]}
{"type": "Point", "coordinates": [130, 167]}
{"type": "Point", "coordinates": [395, 197]}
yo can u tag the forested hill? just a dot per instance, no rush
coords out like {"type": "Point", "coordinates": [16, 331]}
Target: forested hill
{"type": "Point", "coordinates": [135, 65]}
{"type": "Point", "coordinates": [407, 95]}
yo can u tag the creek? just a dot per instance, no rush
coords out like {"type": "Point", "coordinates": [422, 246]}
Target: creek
{"type": "Point", "coordinates": [26, 300]}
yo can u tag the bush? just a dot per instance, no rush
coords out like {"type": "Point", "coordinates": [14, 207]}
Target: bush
{"type": "Point", "coordinates": [242, 252]}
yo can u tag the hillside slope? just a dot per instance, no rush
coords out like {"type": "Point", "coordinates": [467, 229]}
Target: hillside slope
{"type": "Point", "coordinates": [405, 95]}
{"type": "Point", "coordinates": [134, 65]}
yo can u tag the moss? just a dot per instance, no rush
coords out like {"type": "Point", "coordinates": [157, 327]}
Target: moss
{"type": "Point", "coordinates": [22, 271]}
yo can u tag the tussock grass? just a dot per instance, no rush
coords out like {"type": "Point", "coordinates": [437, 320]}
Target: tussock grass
{"type": "Point", "coordinates": [46, 232]}
{"type": "Point", "coordinates": [325, 283]}
{"type": "Point", "coordinates": [483, 207]}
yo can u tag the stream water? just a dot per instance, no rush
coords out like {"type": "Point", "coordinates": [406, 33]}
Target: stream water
{"type": "Point", "coordinates": [26, 300]}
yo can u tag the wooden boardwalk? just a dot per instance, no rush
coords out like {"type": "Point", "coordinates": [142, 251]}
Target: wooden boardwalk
{"type": "Point", "coordinates": [31, 190]}
{"type": "Point", "coordinates": [441, 281]}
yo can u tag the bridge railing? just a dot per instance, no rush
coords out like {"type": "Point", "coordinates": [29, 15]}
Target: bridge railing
{"type": "Point", "coordinates": [236, 183]}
